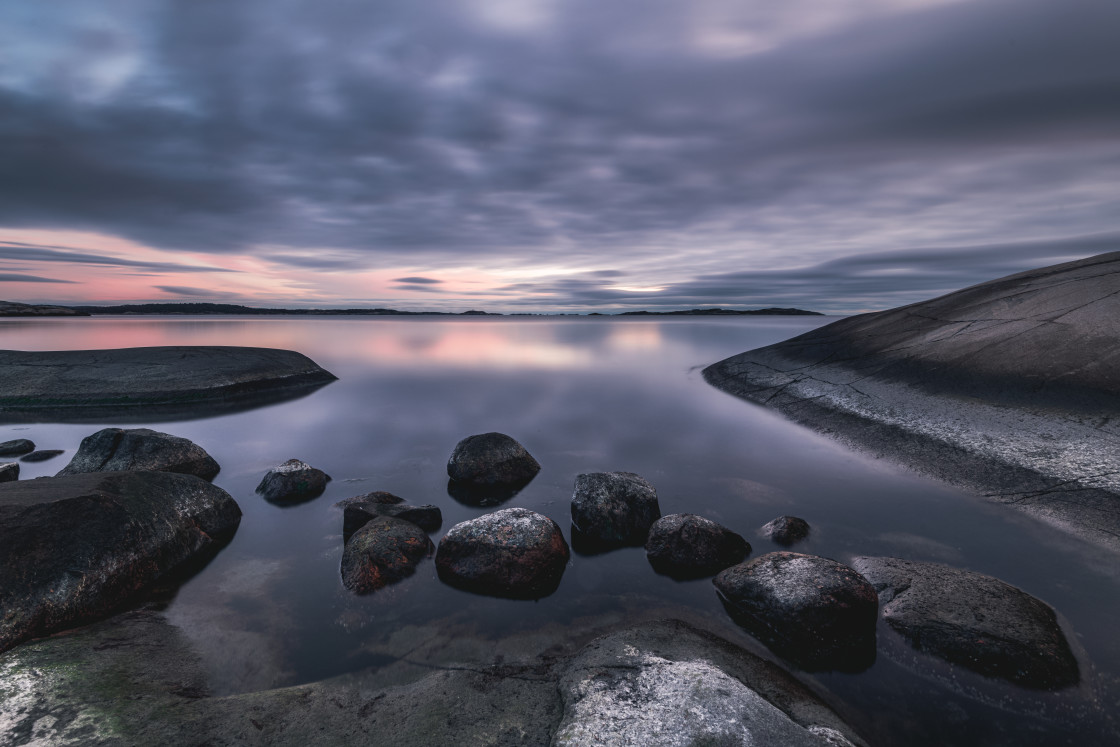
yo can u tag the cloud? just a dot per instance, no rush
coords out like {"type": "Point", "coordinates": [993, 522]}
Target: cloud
{"type": "Point", "coordinates": [206, 294]}
{"type": "Point", "coordinates": [417, 281]}
{"type": "Point", "coordinates": [16, 250]}
{"type": "Point", "coordinates": [11, 277]}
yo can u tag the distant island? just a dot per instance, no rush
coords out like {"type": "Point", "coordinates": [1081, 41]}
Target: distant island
{"type": "Point", "coordinates": [8, 308]}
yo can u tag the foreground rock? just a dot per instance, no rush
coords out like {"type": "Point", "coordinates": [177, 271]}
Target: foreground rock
{"type": "Point", "coordinates": [16, 447]}
{"type": "Point", "coordinates": [514, 553]}
{"type": "Point", "coordinates": [973, 620]}
{"type": "Point", "coordinates": [383, 551]}
{"type": "Point", "coordinates": [786, 530]}
{"type": "Point", "coordinates": [136, 680]}
{"type": "Point", "coordinates": [9, 471]}
{"type": "Point", "coordinates": [813, 611]}
{"type": "Point", "coordinates": [491, 459]}
{"type": "Point", "coordinates": [356, 514]}
{"type": "Point", "coordinates": [1009, 388]}
{"type": "Point", "coordinates": [612, 509]}
{"type": "Point", "coordinates": [119, 450]}
{"type": "Point", "coordinates": [689, 546]}
{"type": "Point", "coordinates": [72, 548]}
{"type": "Point", "coordinates": [145, 384]}
{"type": "Point", "coordinates": [294, 481]}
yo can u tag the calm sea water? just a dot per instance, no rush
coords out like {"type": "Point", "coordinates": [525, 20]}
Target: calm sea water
{"type": "Point", "coordinates": [583, 395]}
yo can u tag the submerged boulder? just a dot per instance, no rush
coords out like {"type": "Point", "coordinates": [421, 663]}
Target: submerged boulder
{"type": "Point", "coordinates": [294, 481]}
{"type": "Point", "coordinates": [514, 553]}
{"type": "Point", "coordinates": [120, 450]}
{"type": "Point", "coordinates": [612, 509]}
{"type": "Point", "coordinates": [690, 546]}
{"type": "Point", "coordinates": [356, 514]}
{"type": "Point", "coordinates": [491, 459]}
{"type": "Point", "coordinates": [813, 611]}
{"type": "Point", "coordinates": [786, 530]}
{"type": "Point", "coordinates": [9, 471]}
{"type": "Point", "coordinates": [973, 620]}
{"type": "Point", "coordinates": [383, 551]}
{"type": "Point", "coordinates": [16, 447]}
{"type": "Point", "coordinates": [73, 548]}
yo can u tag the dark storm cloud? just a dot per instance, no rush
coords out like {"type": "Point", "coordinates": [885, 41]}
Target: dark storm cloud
{"type": "Point", "coordinates": [420, 130]}
{"type": "Point", "coordinates": [19, 251]}
{"type": "Point", "coordinates": [11, 277]}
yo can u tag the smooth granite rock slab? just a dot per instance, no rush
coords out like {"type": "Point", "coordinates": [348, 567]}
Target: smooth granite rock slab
{"type": "Point", "coordinates": [973, 620]}
{"type": "Point", "coordinates": [1009, 388]}
{"type": "Point", "coordinates": [144, 384]}
{"type": "Point", "coordinates": [74, 548]}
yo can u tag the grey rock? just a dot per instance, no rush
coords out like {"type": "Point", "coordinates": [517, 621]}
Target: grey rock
{"type": "Point", "coordinates": [9, 471]}
{"type": "Point", "coordinates": [294, 481]}
{"type": "Point", "coordinates": [491, 459]}
{"type": "Point", "coordinates": [786, 530]}
{"type": "Point", "coordinates": [383, 551]}
{"type": "Point", "coordinates": [119, 450]}
{"type": "Point", "coordinates": [973, 620]}
{"type": "Point", "coordinates": [41, 455]}
{"type": "Point", "coordinates": [72, 548]}
{"type": "Point", "coordinates": [1009, 388]}
{"type": "Point", "coordinates": [16, 447]}
{"type": "Point", "coordinates": [690, 546]}
{"type": "Point", "coordinates": [146, 384]}
{"type": "Point", "coordinates": [356, 514]}
{"type": "Point", "coordinates": [377, 496]}
{"type": "Point", "coordinates": [514, 553]}
{"type": "Point", "coordinates": [813, 611]}
{"type": "Point", "coordinates": [612, 509]}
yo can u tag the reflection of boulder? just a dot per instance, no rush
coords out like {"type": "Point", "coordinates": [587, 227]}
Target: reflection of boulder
{"type": "Point", "coordinates": [118, 450]}
{"type": "Point", "coordinates": [689, 546]}
{"type": "Point", "coordinates": [383, 551]}
{"type": "Point", "coordinates": [815, 612]}
{"type": "Point", "coordinates": [613, 509]}
{"type": "Point", "coordinates": [973, 620]}
{"type": "Point", "coordinates": [73, 548]}
{"type": "Point", "coordinates": [514, 553]}
{"type": "Point", "coordinates": [146, 384]}
{"type": "Point", "coordinates": [481, 496]}
{"type": "Point", "coordinates": [292, 482]}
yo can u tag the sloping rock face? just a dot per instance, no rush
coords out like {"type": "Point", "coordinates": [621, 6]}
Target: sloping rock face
{"type": "Point", "coordinates": [119, 450]}
{"type": "Point", "coordinates": [144, 384]}
{"type": "Point", "coordinates": [973, 620]}
{"type": "Point", "coordinates": [72, 548]}
{"type": "Point", "coordinates": [1009, 388]}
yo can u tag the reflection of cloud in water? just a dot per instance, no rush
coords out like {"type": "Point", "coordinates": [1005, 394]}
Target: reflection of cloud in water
{"type": "Point", "coordinates": [915, 546]}
{"type": "Point", "coordinates": [635, 336]}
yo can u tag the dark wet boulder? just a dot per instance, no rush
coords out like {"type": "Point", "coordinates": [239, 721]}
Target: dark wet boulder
{"type": "Point", "coordinates": [491, 459]}
{"type": "Point", "coordinates": [294, 481]}
{"type": "Point", "coordinates": [813, 611]}
{"type": "Point", "coordinates": [41, 455]}
{"type": "Point", "coordinates": [74, 548]}
{"type": "Point", "coordinates": [16, 447]}
{"type": "Point", "coordinates": [690, 546]}
{"type": "Point", "coordinates": [514, 553]}
{"type": "Point", "coordinates": [377, 496]}
{"type": "Point", "coordinates": [356, 514]}
{"type": "Point", "coordinates": [382, 552]}
{"type": "Point", "coordinates": [973, 620]}
{"type": "Point", "coordinates": [9, 471]}
{"type": "Point", "coordinates": [612, 509]}
{"type": "Point", "coordinates": [120, 450]}
{"type": "Point", "coordinates": [786, 530]}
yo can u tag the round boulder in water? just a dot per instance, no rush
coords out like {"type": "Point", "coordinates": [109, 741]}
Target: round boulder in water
{"type": "Point", "coordinates": [514, 553]}
{"type": "Point", "coordinates": [690, 546]}
{"type": "Point", "coordinates": [785, 530]}
{"type": "Point", "coordinates": [491, 459]}
{"type": "Point", "coordinates": [294, 481]}
{"type": "Point", "coordinates": [612, 509]}
{"type": "Point", "coordinates": [383, 551]}
{"type": "Point", "coordinates": [17, 447]}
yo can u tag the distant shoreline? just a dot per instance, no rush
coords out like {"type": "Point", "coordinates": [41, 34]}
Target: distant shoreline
{"type": "Point", "coordinates": [11, 309]}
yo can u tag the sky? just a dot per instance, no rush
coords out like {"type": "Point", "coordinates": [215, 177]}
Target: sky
{"type": "Point", "coordinates": [551, 155]}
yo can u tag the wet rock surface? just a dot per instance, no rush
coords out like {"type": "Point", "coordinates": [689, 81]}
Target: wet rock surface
{"type": "Point", "coordinates": [355, 515]}
{"type": "Point", "coordinates": [489, 459]}
{"type": "Point", "coordinates": [9, 471]}
{"type": "Point", "coordinates": [146, 384]}
{"type": "Point", "coordinates": [786, 530]}
{"type": "Point", "coordinates": [973, 620]}
{"type": "Point", "coordinates": [41, 455]}
{"type": "Point", "coordinates": [16, 447]}
{"type": "Point", "coordinates": [119, 450]}
{"type": "Point", "coordinates": [612, 509]}
{"type": "Point", "coordinates": [810, 610]}
{"type": "Point", "coordinates": [72, 548]}
{"type": "Point", "coordinates": [383, 551]}
{"type": "Point", "coordinates": [514, 553]}
{"type": "Point", "coordinates": [294, 481]}
{"type": "Point", "coordinates": [1009, 388]}
{"type": "Point", "coordinates": [689, 546]}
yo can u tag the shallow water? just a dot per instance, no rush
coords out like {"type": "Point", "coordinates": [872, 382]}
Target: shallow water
{"type": "Point", "coordinates": [583, 395]}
